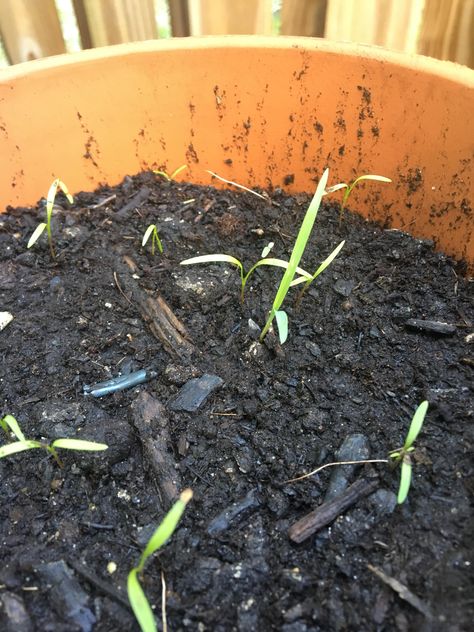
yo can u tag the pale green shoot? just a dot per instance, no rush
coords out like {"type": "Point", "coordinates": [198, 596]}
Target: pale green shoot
{"type": "Point", "coordinates": [165, 530]}
{"type": "Point", "coordinates": [403, 454]}
{"type": "Point", "coordinates": [53, 189]}
{"type": "Point", "coordinates": [349, 188]}
{"type": "Point", "coordinates": [244, 277]}
{"type": "Point", "coordinates": [267, 249]}
{"type": "Point", "coordinates": [155, 240]}
{"type": "Point", "coordinates": [319, 270]}
{"type": "Point", "coordinates": [171, 177]}
{"type": "Point", "coordinates": [400, 455]}
{"type": "Point", "coordinates": [297, 253]}
{"type": "Point", "coordinates": [10, 423]}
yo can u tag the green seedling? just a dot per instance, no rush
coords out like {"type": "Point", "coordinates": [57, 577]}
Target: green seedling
{"type": "Point", "coordinates": [307, 282]}
{"type": "Point", "coordinates": [291, 267]}
{"type": "Point", "coordinates": [400, 455]}
{"type": "Point", "coordinates": [296, 255]}
{"type": "Point", "coordinates": [155, 240]}
{"type": "Point", "coordinates": [244, 277]}
{"type": "Point", "coordinates": [165, 530]}
{"type": "Point", "coordinates": [53, 189]}
{"type": "Point", "coordinates": [9, 423]}
{"type": "Point", "coordinates": [171, 177]}
{"type": "Point", "coordinates": [350, 187]}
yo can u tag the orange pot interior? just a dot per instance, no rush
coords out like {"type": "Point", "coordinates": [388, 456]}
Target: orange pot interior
{"type": "Point", "coordinates": [259, 111]}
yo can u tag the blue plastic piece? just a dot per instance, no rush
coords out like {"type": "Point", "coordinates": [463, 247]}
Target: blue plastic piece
{"type": "Point", "coordinates": [118, 383]}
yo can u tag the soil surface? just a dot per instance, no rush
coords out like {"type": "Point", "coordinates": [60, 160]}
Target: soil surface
{"type": "Point", "coordinates": [355, 363]}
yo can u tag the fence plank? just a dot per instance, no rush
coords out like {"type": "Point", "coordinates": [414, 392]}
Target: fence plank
{"type": "Point", "coordinates": [117, 21]}
{"type": "Point", "coordinates": [390, 23]}
{"type": "Point", "coordinates": [217, 17]}
{"type": "Point", "coordinates": [82, 24]}
{"type": "Point", "coordinates": [303, 17]}
{"type": "Point", "coordinates": [179, 18]}
{"type": "Point", "coordinates": [30, 30]}
{"type": "Point", "coordinates": [447, 31]}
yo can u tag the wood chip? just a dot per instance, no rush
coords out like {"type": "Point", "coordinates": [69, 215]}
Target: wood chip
{"type": "Point", "coordinates": [402, 591]}
{"type": "Point", "coordinates": [431, 326]}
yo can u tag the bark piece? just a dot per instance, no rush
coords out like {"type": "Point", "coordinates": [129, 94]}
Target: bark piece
{"type": "Point", "coordinates": [329, 511]}
{"type": "Point", "coordinates": [403, 592]}
{"type": "Point", "coordinates": [136, 200]}
{"type": "Point", "coordinates": [151, 420]}
{"type": "Point", "coordinates": [15, 615]}
{"type": "Point", "coordinates": [156, 312]}
{"type": "Point", "coordinates": [431, 326]}
{"type": "Point", "coordinates": [195, 392]}
{"type": "Point", "coordinates": [230, 515]}
{"type": "Point", "coordinates": [66, 595]}
{"type": "Point", "coordinates": [355, 447]}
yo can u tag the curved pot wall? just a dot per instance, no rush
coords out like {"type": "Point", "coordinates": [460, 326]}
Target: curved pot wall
{"type": "Point", "coordinates": [261, 111]}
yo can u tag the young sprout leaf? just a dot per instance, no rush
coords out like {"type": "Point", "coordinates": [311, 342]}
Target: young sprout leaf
{"type": "Point", "coordinates": [36, 234]}
{"type": "Point", "coordinates": [167, 527]}
{"type": "Point", "coordinates": [297, 253]}
{"type": "Point", "coordinates": [147, 234]}
{"type": "Point", "coordinates": [281, 318]}
{"type": "Point", "coordinates": [153, 231]}
{"type": "Point", "coordinates": [140, 606]}
{"type": "Point", "coordinates": [212, 259]}
{"type": "Point", "coordinates": [372, 177]}
{"type": "Point", "coordinates": [9, 422]}
{"type": "Point", "coordinates": [18, 446]}
{"type": "Point", "coordinates": [321, 268]}
{"type": "Point", "coordinates": [53, 189]}
{"type": "Point", "coordinates": [52, 192]}
{"type": "Point", "coordinates": [173, 175]}
{"type": "Point", "coordinates": [416, 424]}
{"type": "Point", "coordinates": [405, 480]}
{"type": "Point", "coordinates": [267, 249]}
{"type": "Point", "coordinates": [165, 530]}
{"type": "Point", "coordinates": [178, 171]}
{"type": "Point", "coordinates": [349, 187]}
{"type": "Point", "coordinates": [78, 444]}
{"type": "Point", "coordinates": [336, 187]}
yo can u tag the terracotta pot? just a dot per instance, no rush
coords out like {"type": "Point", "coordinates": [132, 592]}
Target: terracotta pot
{"type": "Point", "coordinates": [260, 111]}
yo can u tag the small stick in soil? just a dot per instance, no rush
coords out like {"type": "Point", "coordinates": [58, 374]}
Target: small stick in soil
{"type": "Point", "coordinates": [96, 525]}
{"type": "Point", "coordinates": [328, 512]}
{"type": "Point", "coordinates": [151, 421]}
{"type": "Point", "coordinates": [164, 620]}
{"type": "Point", "coordinates": [403, 592]}
{"type": "Point", "coordinates": [111, 198]}
{"type": "Point", "coordinates": [102, 585]}
{"type": "Point", "coordinates": [156, 312]}
{"type": "Point", "coordinates": [120, 289]}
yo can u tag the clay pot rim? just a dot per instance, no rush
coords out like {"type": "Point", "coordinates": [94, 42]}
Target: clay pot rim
{"type": "Point", "coordinates": [444, 69]}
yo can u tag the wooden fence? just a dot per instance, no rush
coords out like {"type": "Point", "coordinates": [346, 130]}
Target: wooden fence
{"type": "Point", "coordinates": [30, 29]}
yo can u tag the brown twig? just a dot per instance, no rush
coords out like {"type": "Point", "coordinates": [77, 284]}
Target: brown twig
{"type": "Point", "coordinates": [155, 311]}
{"type": "Point", "coordinates": [99, 583]}
{"type": "Point", "coordinates": [111, 198]}
{"type": "Point", "coordinates": [120, 289]}
{"type": "Point", "coordinates": [329, 511]}
{"type": "Point", "coordinates": [151, 421]}
{"type": "Point", "coordinates": [403, 592]}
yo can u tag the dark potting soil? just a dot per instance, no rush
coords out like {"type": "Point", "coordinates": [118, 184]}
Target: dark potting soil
{"type": "Point", "coordinates": [352, 372]}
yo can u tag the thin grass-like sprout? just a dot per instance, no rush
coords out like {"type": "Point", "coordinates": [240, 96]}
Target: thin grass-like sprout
{"type": "Point", "coordinates": [162, 534]}
{"type": "Point", "coordinates": [298, 250]}
{"type": "Point", "coordinates": [416, 424]}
